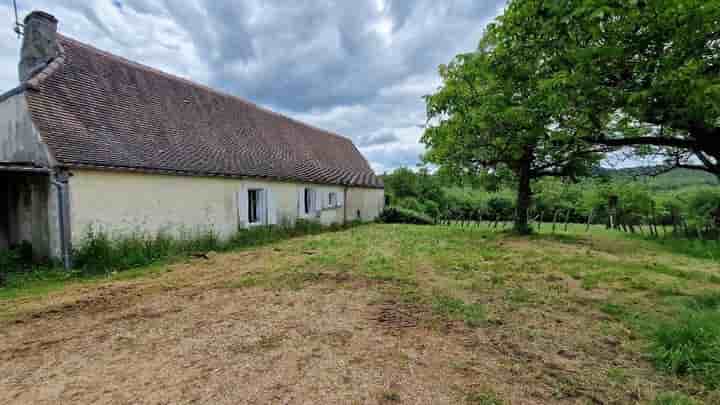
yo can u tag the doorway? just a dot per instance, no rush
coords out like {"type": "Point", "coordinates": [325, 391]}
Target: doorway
{"type": "Point", "coordinates": [24, 212]}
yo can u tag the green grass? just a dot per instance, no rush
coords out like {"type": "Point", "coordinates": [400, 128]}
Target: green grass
{"type": "Point", "coordinates": [690, 346]}
{"type": "Point", "coordinates": [658, 299]}
{"type": "Point", "coordinates": [101, 258]}
{"type": "Point", "coordinates": [674, 398]}
{"type": "Point", "coordinates": [453, 308]}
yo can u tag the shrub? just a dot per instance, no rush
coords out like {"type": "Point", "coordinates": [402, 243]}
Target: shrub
{"type": "Point", "coordinates": [703, 209]}
{"type": "Point", "coordinates": [9, 260]}
{"type": "Point", "coordinates": [397, 215]}
{"type": "Point", "coordinates": [501, 207]}
{"type": "Point", "coordinates": [411, 203]}
{"type": "Point", "coordinates": [690, 346]}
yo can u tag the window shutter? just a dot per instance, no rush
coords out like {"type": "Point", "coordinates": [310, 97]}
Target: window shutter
{"type": "Point", "coordinates": [271, 207]}
{"type": "Point", "coordinates": [318, 201]}
{"type": "Point", "coordinates": [301, 202]}
{"type": "Point", "coordinates": [340, 199]}
{"type": "Point", "coordinates": [262, 207]}
{"type": "Point", "coordinates": [242, 204]}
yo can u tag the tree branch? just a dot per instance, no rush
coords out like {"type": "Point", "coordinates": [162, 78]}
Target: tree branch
{"type": "Point", "coordinates": [643, 140]}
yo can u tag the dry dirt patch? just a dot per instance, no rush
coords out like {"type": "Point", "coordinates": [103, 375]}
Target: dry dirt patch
{"type": "Point", "coordinates": [186, 337]}
{"type": "Point", "coordinates": [225, 346]}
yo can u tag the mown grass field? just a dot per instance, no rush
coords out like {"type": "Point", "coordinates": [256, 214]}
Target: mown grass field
{"type": "Point", "coordinates": [380, 314]}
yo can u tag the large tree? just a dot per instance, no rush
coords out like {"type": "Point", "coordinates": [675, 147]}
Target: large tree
{"type": "Point", "coordinates": [629, 73]}
{"type": "Point", "coordinates": [492, 114]}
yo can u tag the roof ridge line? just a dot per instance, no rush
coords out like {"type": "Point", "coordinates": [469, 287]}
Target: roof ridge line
{"type": "Point", "coordinates": [192, 83]}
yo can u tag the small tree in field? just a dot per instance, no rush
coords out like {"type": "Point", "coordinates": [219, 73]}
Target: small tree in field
{"type": "Point", "coordinates": [492, 114]}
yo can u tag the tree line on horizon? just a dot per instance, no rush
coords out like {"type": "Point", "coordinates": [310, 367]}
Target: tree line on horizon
{"type": "Point", "coordinates": [681, 201]}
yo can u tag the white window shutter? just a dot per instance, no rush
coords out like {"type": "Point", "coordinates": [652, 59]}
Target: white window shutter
{"type": "Point", "coordinates": [271, 207]}
{"type": "Point", "coordinates": [242, 204]}
{"type": "Point", "coordinates": [341, 199]}
{"type": "Point", "coordinates": [301, 202]}
{"type": "Point", "coordinates": [318, 201]}
{"type": "Point", "coordinates": [262, 207]}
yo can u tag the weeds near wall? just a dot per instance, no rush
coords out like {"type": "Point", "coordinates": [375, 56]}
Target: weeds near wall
{"type": "Point", "coordinates": [99, 253]}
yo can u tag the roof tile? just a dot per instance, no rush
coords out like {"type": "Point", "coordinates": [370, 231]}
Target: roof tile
{"type": "Point", "coordinates": [95, 109]}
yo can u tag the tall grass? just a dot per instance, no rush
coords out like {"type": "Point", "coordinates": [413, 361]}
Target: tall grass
{"type": "Point", "coordinates": [100, 254]}
{"type": "Point", "coordinates": [699, 248]}
{"type": "Point", "coordinates": [690, 344]}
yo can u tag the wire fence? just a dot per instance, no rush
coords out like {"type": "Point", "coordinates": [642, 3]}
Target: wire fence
{"type": "Point", "coordinates": [567, 221]}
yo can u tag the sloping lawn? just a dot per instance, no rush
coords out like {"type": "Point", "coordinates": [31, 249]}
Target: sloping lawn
{"type": "Point", "coordinates": [378, 314]}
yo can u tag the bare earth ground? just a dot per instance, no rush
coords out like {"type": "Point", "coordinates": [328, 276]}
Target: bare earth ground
{"type": "Point", "coordinates": [215, 331]}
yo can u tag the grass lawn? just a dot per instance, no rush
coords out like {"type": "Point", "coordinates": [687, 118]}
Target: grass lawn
{"type": "Point", "coordinates": [379, 314]}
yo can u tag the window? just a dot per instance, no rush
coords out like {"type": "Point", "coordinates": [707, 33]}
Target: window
{"type": "Point", "coordinates": [255, 206]}
{"type": "Point", "coordinates": [332, 200]}
{"type": "Point", "coordinates": [309, 201]}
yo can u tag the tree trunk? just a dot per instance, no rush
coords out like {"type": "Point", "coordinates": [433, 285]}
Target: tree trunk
{"type": "Point", "coordinates": [524, 197]}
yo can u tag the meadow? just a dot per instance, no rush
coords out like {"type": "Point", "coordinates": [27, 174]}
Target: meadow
{"type": "Point", "coordinates": [380, 313]}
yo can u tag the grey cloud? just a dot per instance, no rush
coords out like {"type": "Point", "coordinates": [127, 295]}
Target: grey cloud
{"type": "Point", "coordinates": [382, 138]}
{"type": "Point", "coordinates": [391, 157]}
{"type": "Point", "coordinates": [358, 68]}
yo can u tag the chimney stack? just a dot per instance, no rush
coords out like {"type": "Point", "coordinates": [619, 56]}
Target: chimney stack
{"type": "Point", "coordinates": [39, 45]}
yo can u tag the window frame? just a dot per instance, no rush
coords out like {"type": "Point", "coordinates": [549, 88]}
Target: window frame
{"type": "Point", "coordinates": [333, 201]}
{"type": "Point", "coordinates": [256, 207]}
{"type": "Point", "coordinates": [310, 198]}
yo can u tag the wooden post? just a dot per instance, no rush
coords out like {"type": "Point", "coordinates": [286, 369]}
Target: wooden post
{"type": "Point", "coordinates": [555, 220]}
{"type": "Point", "coordinates": [613, 202]}
{"type": "Point", "coordinates": [590, 218]}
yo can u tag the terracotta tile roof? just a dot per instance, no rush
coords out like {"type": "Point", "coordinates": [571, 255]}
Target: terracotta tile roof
{"type": "Point", "coordinates": [95, 109]}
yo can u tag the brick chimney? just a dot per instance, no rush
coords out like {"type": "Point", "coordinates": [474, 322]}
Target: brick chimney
{"type": "Point", "coordinates": [39, 45]}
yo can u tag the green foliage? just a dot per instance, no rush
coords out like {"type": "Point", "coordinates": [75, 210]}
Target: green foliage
{"type": "Point", "coordinates": [690, 346]}
{"type": "Point", "coordinates": [674, 398]}
{"type": "Point", "coordinates": [680, 179]}
{"type": "Point", "coordinates": [418, 191]}
{"type": "Point", "coordinates": [398, 215]}
{"type": "Point", "coordinates": [626, 72]}
{"type": "Point", "coordinates": [17, 260]}
{"type": "Point", "coordinates": [9, 260]}
{"type": "Point", "coordinates": [410, 203]}
{"type": "Point", "coordinates": [688, 211]}
{"type": "Point", "coordinates": [493, 114]}
{"type": "Point", "coordinates": [703, 208]}
{"type": "Point", "coordinates": [475, 204]}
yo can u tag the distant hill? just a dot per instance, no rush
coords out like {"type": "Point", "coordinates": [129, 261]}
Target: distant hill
{"type": "Point", "coordinates": [675, 179]}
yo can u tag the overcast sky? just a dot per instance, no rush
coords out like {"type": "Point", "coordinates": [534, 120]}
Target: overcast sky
{"type": "Point", "coordinates": [359, 68]}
